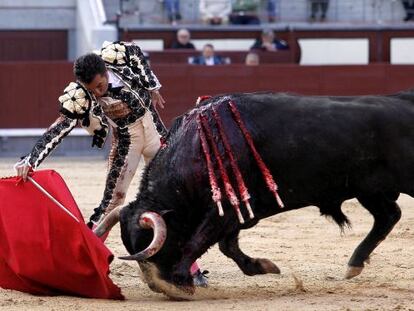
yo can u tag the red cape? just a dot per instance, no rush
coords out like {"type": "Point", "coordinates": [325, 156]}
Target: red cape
{"type": "Point", "coordinates": [43, 250]}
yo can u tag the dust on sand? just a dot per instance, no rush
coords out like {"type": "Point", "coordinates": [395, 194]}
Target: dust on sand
{"type": "Point", "coordinates": [310, 251]}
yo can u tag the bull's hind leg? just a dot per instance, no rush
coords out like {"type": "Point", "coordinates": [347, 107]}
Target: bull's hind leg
{"type": "Point", "coordinates": [229, 246]}
{"type": "Point", "coordinates": [386, 214]}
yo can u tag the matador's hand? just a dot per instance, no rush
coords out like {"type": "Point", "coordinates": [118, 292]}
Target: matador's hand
{"type": "Point", "coordinates": [157, 99]}
{"type": "Point", "coordinates": [22, 169]}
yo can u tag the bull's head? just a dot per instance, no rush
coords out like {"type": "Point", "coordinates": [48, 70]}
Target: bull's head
{"type": "Point", "coordinates": [154, 221]}
{"type": "Point", "coordinates": [150, 243]}
{"type": "Point", "coordinates": [157, 226]}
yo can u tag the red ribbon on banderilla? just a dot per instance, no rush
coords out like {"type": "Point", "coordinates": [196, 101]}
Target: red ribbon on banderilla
{"type": "Point", "coordinates": [207, 140]}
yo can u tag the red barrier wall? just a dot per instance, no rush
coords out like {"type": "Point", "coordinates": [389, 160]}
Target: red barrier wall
{"type": "Point", "coordinates": [25, 45]}
{"type": "Point", "coordinates": [30, 90]}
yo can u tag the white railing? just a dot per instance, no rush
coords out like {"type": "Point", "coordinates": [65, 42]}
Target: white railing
{"type": "Point", "coordinates": [91, 28]}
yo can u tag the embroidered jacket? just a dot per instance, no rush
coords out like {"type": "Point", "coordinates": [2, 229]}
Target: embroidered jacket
{"type": "Point", "coordinates": [78, 106]}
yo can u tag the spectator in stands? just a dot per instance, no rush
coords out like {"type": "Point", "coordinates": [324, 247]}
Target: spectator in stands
{"type": "Point", "coordinates": [183, 40]}
{"type": "Point", "coordinates": [215, 12]}
{"type": "Point", "coordinates": [268, 42]}
{"type": "Point", "coordinates": [244, 12]}
{"type": "Point", "coordinates": [409, 9]}
{"type": "Point", "coordinates": [315, 6]}
{"type": "Point", "coordinates": [173, 10]}
{"type": "Point", "coordinates": [252, 59]}
{"type": "Point", "coordinates": [207, 57]}
{"type": "Point", "coordinates": [271, 10]}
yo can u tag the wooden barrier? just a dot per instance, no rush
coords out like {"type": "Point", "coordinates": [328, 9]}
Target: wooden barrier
{"type": "Point", "coordinates": [30, 90]}
{"type": "Point", "coordinates": [33, 45]}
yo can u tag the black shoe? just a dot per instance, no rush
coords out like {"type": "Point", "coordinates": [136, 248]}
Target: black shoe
{"type": "Point", "coordinates": [200, 278]}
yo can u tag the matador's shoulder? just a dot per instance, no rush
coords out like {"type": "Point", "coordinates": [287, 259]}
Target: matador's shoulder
{"type": "Point", "coordinates": [121, 54]}
{"type": "Point", "coordinates": [75, 101]}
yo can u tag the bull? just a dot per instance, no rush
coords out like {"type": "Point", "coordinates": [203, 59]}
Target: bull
{"type": "Point", "coordinates": [321, 151]}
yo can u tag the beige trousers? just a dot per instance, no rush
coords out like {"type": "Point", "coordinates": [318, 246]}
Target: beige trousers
{"type": "Point", "coordinates": [125, 156]}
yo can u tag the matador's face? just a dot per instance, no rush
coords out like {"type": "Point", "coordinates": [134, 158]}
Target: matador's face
{"type": "Point", "coordinates": [99, 85]}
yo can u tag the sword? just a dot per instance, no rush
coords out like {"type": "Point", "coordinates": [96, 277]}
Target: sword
{"type": "Point", "coordinates": [51, 197]}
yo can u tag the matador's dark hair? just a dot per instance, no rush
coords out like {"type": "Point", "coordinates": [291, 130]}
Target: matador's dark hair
{"type": "Point", "coordinates": [88, 66]}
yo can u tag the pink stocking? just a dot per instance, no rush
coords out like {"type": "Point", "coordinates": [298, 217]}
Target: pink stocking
{"type": "Point", "coordinates": [194, 268]}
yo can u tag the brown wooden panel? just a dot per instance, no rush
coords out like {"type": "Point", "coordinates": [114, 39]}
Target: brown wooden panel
{"type": "Point", "coordinates": [344, 80]}
{"type": "Point", "coordinates": [288, 78]}
{"type": "Point", "coordinates": [33, 45]}
{"type": "Point", "coordinates": [398, 77]}
{"type": "Point", "coordinates": [181, 91]}
{"type": "Point", "coordinates": [30, 90]}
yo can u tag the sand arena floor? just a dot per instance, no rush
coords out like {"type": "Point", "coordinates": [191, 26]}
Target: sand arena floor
{"type": "Point", "coordinates": [304, 245]}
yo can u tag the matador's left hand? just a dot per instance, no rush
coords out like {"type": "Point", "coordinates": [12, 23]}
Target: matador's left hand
{"type": "Point", "coordinates": [157, 99]}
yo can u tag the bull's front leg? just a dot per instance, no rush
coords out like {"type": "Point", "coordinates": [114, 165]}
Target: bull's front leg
{"type": "Point", "coordinates": [206, 235]}
{"type": "Point", "coordinates": [229, 246]}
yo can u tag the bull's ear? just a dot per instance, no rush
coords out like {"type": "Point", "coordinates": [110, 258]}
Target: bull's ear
{"type": "Point", "coordinates": [166, 212]}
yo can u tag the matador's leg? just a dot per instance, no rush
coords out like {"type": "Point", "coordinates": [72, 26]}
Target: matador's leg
{"type": "Point", "coordinates": [123, 162]}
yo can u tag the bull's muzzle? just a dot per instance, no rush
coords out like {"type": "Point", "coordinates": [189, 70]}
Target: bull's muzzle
{"type": "Point", "coordinates": [150, 220]}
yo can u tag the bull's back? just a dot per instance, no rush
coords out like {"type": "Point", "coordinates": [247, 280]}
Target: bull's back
{"type": "Point", "coordinates": [322, 144]}
{"type": "Point", "coordinates": [317, 148]}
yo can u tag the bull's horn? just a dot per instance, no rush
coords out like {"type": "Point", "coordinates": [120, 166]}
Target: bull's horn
{"type": "Point", "coordinates": [150, 220]}
{"type": "Point", "coordinates": [108, 222]}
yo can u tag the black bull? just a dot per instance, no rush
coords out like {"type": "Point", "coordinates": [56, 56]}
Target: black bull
{"type": "Point", "coordinates": [320, 150]}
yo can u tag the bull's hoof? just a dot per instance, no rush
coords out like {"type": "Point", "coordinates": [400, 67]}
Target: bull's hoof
{"type": "Point", "coordinates": [260, 266]}
{"type": "Point", "coordinates": [353, 272]}
{"type": "Point", "coordinates": [267, 266]}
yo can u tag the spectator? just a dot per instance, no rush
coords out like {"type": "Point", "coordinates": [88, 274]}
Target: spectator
{"type": "Point", "coordinates": [173, 10]}
{"type": "Point", "coordinates": [244, 12]}
{"type": "Point", "coordinates": [252, 59]}
{"type": "Point", "coordinates": [315, 6]}
{"type": "Point", "coordinates": [207, 57]}
{"type": "Point", "coordinates": [409, 9]}
{"type": "Point", "coordinates": [271, 10]}
{"type": "Point", "coordinates": [215, 12]}
{"type": "Point", "coordinates": [183, 40]}
{"type": "Point", "coordinates": [268, 42]}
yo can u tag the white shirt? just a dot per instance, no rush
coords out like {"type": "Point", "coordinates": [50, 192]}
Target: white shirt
{"type": "Point", "coordinates": [114, 80]}
{"type": "Point", "coordinates": [209, 61]}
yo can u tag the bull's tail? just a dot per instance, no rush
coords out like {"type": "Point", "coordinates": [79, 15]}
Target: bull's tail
{"type": "Point", "coordinates": [334, 210]}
